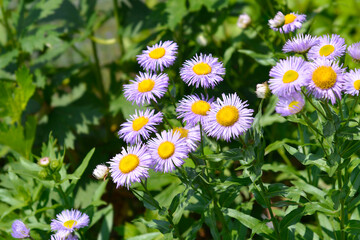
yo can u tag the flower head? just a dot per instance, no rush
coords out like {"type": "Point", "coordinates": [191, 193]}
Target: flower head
{"type": "Point", "coordinates": [68, 237]}
{"type": "Point", "coordinates": [168, 150]}
{"type": "Point", "coordinates": [44, 162]}
{"type": "Point", "coordinates": [262, 90]}
{"type": "Point", "coordinates": [146, 87]}
{"type": "Point", "coordinates": [67, 221]}
{"type": "Point", "coordinates": [202, 70]}
{"type": "Point", "coordinates": [191, 134]}
{"type": "Point", "coordinates": [131, 165]}
{"type": "Point", "coordinates": [300, 43]}
{"type": "Point", "coordinates": [351, 83]}
{"type": "Point", "coordinates": [354, 51]}
{"type": "Point", "coordinates": [19, 230]}
{"type": "Point", "coordinates": [101, 171]}
{"type": "Point", "coordinates": [158, 56]}
{"type": "Point", "coordinates": [328, 47]}
{"type": "Point", "coordinates": [194, 109]}
{"type": "Point", "coordinates": [140, 125]}
{"type": "Point", "coordinates": [289, 105]}
{"type": "Point", "coordinates": [244, 21]}
{"type": "Point", "coordinates": [229, 118]}
{"type": "Point", "coordinates": [326, 79]}
{"type": "Point", "coordinates": [288, 76]}
{"type": "Point", "coordinates": [288, 23]}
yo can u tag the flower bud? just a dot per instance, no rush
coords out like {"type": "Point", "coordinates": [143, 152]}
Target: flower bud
{"type": "Point", "coordinates": [54, 164]}
{"type": "Point", "coordinates": [43, 174]}
{"type": "Point", "coordinates": [277, 21]}
{"type": "Point", "coordinates": [101, 171]}
{"type": "Point", "coordinates": [244, 21]}
{"type": "Point", "coordinates": [201, 40]}
{"type": "Point", "coordinates": [262, 90]}
{"type": "Point", "coordinates": [44, 162]}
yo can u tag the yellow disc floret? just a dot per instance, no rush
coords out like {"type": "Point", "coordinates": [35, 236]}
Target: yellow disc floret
{"type": "Point", "coordinates": [324, 77]}
{"type": "Point", "coordinates": [183, 132]}
{"type": "Point", "coordinates": [227, 116]}
{"type": "Point", "coordinates": [146, 85]}
{"type": "Point", "coordinates": [326, 50]}
{"type": "Point", "coordinates": [200, 107]}
{"type": "Point", "coordinates": [290, 76]}
{"type": "Point", "coordinates": [128, 163]}
{"type": "Point", "coordinates": [157, 53]}
{"type": "Point", "coordinates": [202, 68]}
{"type": "Point", "coordinates": [357, 84]}
{"type": "Point", "coordinates": [289, 18]}
{"type": "Point", "coordinates": [70, 223]}
{"type": "Point", "coordinates": [139, 123]}
{"type": "Point", "coordinates": [294, 106]}
{"type": "Point", "coordinates": [166, 149]}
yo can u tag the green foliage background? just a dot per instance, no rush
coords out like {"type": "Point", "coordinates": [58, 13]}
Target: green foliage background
{"type": "Point", "coordinates": [62, 67]}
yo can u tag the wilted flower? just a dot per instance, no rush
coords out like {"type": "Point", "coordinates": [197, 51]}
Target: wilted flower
{"type": "Point", "coordinates": [262, 90]}
{"type": "Point", "coordinates": [101, 171]}
{"type": "Point", "coordinates": [19, 230]}
{"type": "Point", "coordinates": [244, 21]}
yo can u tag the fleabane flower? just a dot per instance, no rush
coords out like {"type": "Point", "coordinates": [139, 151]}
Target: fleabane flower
{"type": "Point", "coordinates": [300, 43]}
{"type": "Point", "coordinates": [328, 47]}
{"type": "Point", "coordinates": [194, 109]}
{"type": "Point", "coordinates": [354, 51]}
{"type": "Point", "coordinates": [68, 221]}
{"type": "Point", "coordinates": [351, 83]}
{"type": "Point", "coordinates": [288, 23]}
{"type": "Point", "coordinates": [326, 79]}
{"type": "Point", "coordinates": [288, 76]}
{"type": "Point", "coordinates": [146, 87]}
{"type": "Point", "coordinates": [101, 171]}
{"type": "Point", "coordinates": [243, 21]}
{"type": "Point", "coordinates": [262, 90]}
{"type": "Point", "coordinates": [131, 165]}
{"type": "Point", "coordinates": [158, 56]}
{"type": "Point", "coordinates": [68, 237]}
{"type": "Point", "coordinates": [202, 71]}
{"type": "Point", "coordinates": [139, 126]}
{"type": "Point", "coordinates": [289, 105]}
{"type": "Point", "coordinates": [229, 118]}
{"type": "Point", "coordinates": [191, 135]}
{"type": "Point", "coordinates": [19, 230]}
{"type": "Point", "coordinates": [168, 150]}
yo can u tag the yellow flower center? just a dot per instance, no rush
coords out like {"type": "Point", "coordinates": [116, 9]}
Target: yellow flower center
{"type": "Point", "coordinates": [128, 163]}
{"type": "Point", "coordinates": [294, 106]}
{"type": "Point", "coordinates": [146, 85]}
{"type": "Point", "coordinates": [357, 84]}
{"type": "Point", "coordinates": [289, 18]}
{"type": "Point", "coordinates": [157, 53]}
{"type": "Point", "coordinates": [166, 149]}
{"type": "Point", "coordinates": [139, 123]}
{"type": "Point", "coordinates": [69, 224]}
{"type": "Point", "coordinates": [324, 77]}
{"type": "Point", "coordinates": [200, 107]}
{"type": "Point", "coordinates": [227, 116]}
{"type": "Point", "coordinates": [326, 50]}
{"type": "Point", "coordinates": [202, 68]}
{"type": "Point", "coordinates": [290, 76]}
{"type": "Point", "coordinates": [183, 132]}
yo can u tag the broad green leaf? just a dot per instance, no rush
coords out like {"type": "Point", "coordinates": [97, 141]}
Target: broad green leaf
{"type": "Point", "coordinates": [106, 225]}
{"type": "Point", "coordinates": [146, 236]}
{"type": "Point", "coordinates": [263, 59]}
{"type": "Point", "coordinates": [80, 170]}
{"type": "Point", "coordinates": [354, 227]}
{"type": "Point", "coordinates": [291, 218]}
{"type": "Point", "coordinates": [176, 11]}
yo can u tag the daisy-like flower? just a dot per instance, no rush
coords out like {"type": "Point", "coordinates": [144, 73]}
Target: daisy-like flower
{"type": "Point", "coordinates": [192, 136]}
{"type": "Point", "coordinates": [326, 79]}
{"type": "Point", "coordinates": [300, 43]}
{"type": "Point", "coordinates": [229, 118]}
{"type": "Point", "coordinates": [288, 23]}
{"type": "Point", "coordinates": [168, 150]}
{"type": "Point", "coordinates": [141, 124]}
{"type": "Point", "coordinates": [351, 83]}
{"type": "Point", "coordinates": [68, 237]}
{"type": "Point", "coordinates": [244, 21]}
{"type": "Point", "coordinates": [202, 70]}
{"type": "Point", "coordinates": [19, 230]}
{"type": "Point", "coordinates": [146, 87]}
{"type": "Point", "coordinates": [131, 165]}
{"type": "Point", "coordinates": [288, 76]}
{"type": "Point", "coordinates": [158, 56]}
{"type": "Point", "coordinates": [67, 221]}
{"type": "Point", "coordinates": [354, 51]}
{"type": "Point", "coordinates": [290, 104]}
{"type": "Point", "coordinates": [194, 109]}
{"type": "Point", "coordinates": [328, 47]}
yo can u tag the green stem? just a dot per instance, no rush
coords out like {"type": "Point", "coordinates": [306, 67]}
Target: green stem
{"type": "Point", "coordinates": [63, 196]}
{"type": "Point", "coordinates": [7, 26]}
{"type": "Point", "coordinates": [159, 110]}
{"type": "Point", "coordinates": [352, 110]}
{"type": "Point", "coordinates": [202, 140]}
{"type": "Point", "coordinates": [118, 23]}
{"type": "Point", "coordinates": [342, 211]}
{"type": "Point", "coordinates": [310, 101]}
{"type": "Point", "coordinates": [301, 135]}
{"type": "Point", "coordinates": [98, 70]}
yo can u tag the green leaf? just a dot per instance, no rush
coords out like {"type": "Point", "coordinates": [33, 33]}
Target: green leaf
{"type": "Point", "coordinates": [354, 227]}
{"type": "Point", "coordinates": [263, 59]}
{"type": "Point", "coordinates": [328, 129]}
{"type": "Point", "coordinates": [106, 225]}
{"type": "Point", "coordinates": [176, 10]}
{"type": "Point", "coordinates": [80, 170]}
{"type": "Point", "coordinates": [291, 218]}
{"type": "Point", "coordinates": [146, 236]}
{"type": "Point", "coordinates": [7, 58]}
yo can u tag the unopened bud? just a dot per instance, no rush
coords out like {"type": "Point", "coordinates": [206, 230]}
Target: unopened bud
{"type": "Point", "coordinates": [44, 162]}
{"type": "Point", "coordinates": [54, 164]}
{"type": "Point", "coordinates": [262, 90]}
{"type": "Point", "coordinates": [101, 171]}
{"type": "Point", "coordinates": [277, 21]}
{"type": "Point", "coordinates": [43, 174]}
{"type": "Point", "coordinates": [243, 21]}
